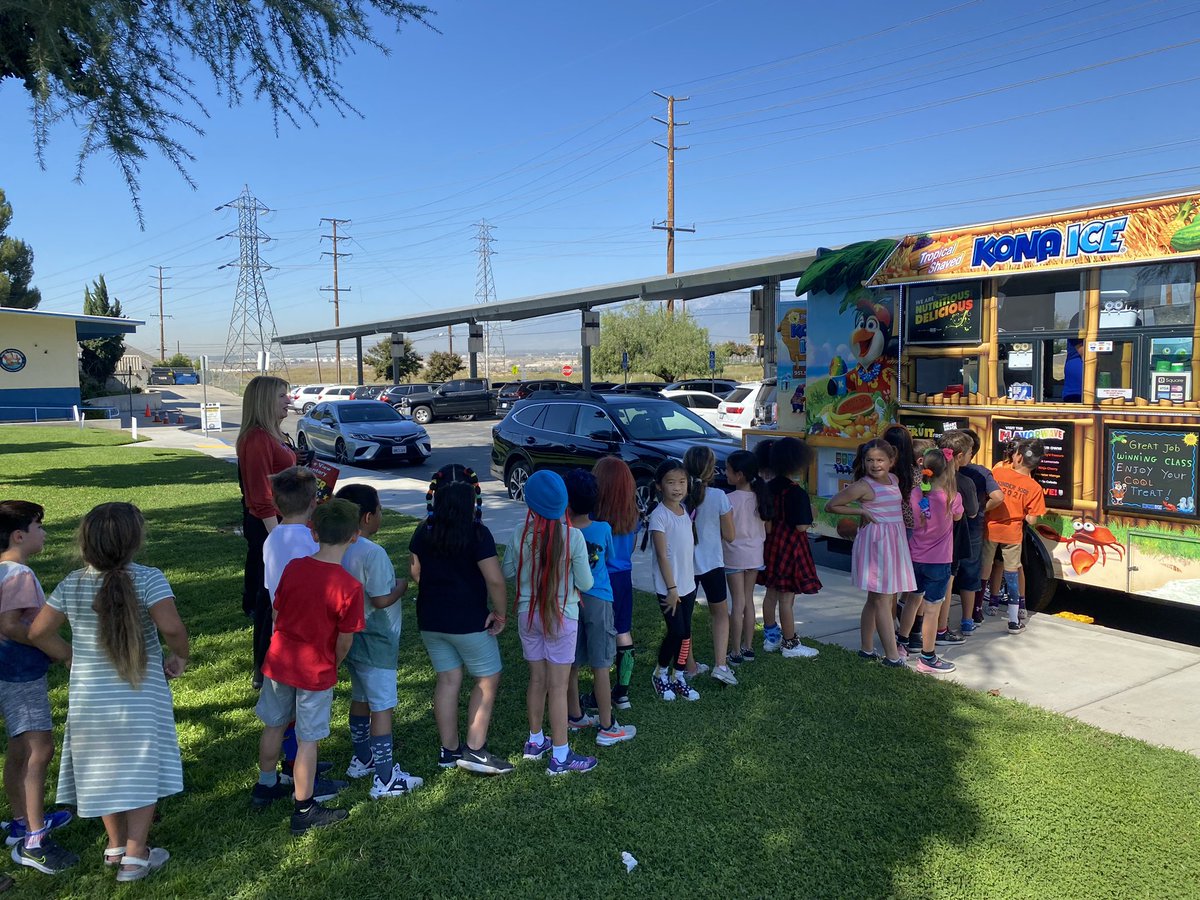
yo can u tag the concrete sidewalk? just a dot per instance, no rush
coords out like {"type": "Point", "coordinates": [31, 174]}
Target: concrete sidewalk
{"type": "Point", "coordinates": [1123, 683]}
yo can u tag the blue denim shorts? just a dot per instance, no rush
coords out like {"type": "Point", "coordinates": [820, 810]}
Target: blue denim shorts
{"type": "Point", "coordinates": [932, 580]}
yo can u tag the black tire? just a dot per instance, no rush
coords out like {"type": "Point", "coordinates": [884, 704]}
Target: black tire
{"type": "Point", "coordinates": [339, 452]}
{"type": "Point", "coordinates": [422, 415]}
{"type": "Point", "coordinates": [644, 492]}
{"type": "Point", "coordinates": [307, 409]}
{"type": "Point", "coordinates": [1040, 583]}
{"type": "Point", "coordinates": [514, 479]}
{"type": "Point", "coordinates": [301, 441]}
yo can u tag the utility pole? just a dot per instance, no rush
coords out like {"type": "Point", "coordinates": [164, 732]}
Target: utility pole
{"type": "Point", "coordinates": [337, 347]}
{"type": "Point", "coordinates": [669, 224]}
{"type": "Point", "coordinates": [162, 332]}
{"type": "Point", "coordinates": [450, 335]}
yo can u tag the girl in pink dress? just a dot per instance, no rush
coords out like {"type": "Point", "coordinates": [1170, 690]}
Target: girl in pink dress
{"type": "Point", "coordinates": [880, 563]}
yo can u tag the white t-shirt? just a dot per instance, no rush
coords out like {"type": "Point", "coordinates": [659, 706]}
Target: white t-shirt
{"type": "Point", "coordinates": [284, 543]}
{"type": "Point", "coordinates": [709, 555]}
{"type": "Point", "coordinates": [678, 530]}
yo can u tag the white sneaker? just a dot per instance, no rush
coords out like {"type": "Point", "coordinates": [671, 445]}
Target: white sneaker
{"type": "Point", "coordinates": [662, 687]}
{"type": "Point", "coordinates": [771, 643]}
{"type": "Point", "coordinates": [400, 785]}
{"type": "Point", "coordinates": [701, 668]}
{"type": "Point", "coordinates": [359, 769]}
{"type": "Point", "coordinates": [725, 675]}
{"type": "Point", "coordinates": [684, 690]}
{"type": "Point", "coordinates": [793, 649]}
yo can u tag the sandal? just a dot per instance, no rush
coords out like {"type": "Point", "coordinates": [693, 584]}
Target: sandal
{"type": "Point", "coordinates": [112, 855]}
{"type": "Point", "coordinates": [156, 859]}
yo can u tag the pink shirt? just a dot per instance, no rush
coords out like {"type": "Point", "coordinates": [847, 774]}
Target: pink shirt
{"type": "Point", "coordinates": [932, 539]}
{"type": "Point", "coordinates": [746, 549]}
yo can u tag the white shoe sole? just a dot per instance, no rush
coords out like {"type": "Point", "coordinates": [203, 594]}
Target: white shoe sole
{"type": "Point", "coordinates": [480, 769]}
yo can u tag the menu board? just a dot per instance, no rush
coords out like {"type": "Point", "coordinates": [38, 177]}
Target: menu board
{"type": "Point", "coordinates": [932, 427]}
{"type": "Point", "coordinates": [1151, 471]}
{"type": "Point", "coordinates": [944, 313]}
{"type": "Point", "coordinates": [1055, 473]}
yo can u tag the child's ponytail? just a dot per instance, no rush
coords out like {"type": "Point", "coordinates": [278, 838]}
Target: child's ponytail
{"type": "Point", "coordinates": [109, 536]}
{"type": "Point", "coordinates": [937, 470]}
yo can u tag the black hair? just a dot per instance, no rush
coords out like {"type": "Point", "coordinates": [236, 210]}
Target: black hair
{"type": "Point", "coordinates": [745, 463]}
{"type": "Point", "coordinates": [581, 491]}
{"type": "Point", "coordinates": [453, 522]}
{"type": "Point", "coordinates": [762, 453]}
{"type": "Point", "coordinates": [905, 459]}
{"type": "Point", "coordinates": [362, 495]}
{"type": "Point", "coordinates": [17, 515]}
{"type": "Point", "coordinates": [700, 463]}
{"type": "Point", "coordinates": [668, 465]}
{"type": "Point", "coordinates": [1031, 451]}
{"type": "Point", "coordinates": [789, 455]}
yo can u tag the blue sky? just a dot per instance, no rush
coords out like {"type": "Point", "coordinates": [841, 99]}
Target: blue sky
{"type": "Point", "coordinates": [810, 125]}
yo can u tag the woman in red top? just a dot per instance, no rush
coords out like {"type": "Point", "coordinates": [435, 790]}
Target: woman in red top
{"type": "Point", "coordinates": [262, 451]}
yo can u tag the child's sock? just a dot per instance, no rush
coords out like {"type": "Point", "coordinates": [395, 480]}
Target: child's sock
{"type": "Point", "coordinates": [289, 746]}
{"type": "Point", "coordinates": [660, 671]}
{"type": "Point", "coordinates": [536, 737]}
{"type": "Point", "coordinates": [560, 753]}
{"type": "Point", "coordinates": [33, 839]}
{"type": "Point", "coordinates": [1022, 604]}
{"type": "Point", "coordinates": [267, 779]}
{"type": "Point", "coordinates": [303, 806]}
{"type": "Point", "coordinates": [381, 752]}
{"type": "Point", "coordinates": [1014, 594]}
{"type": "Point", "coordinates": [941, 632]}
{"type": "Point", "coordinates": [360, 737]}
{"type": "Point", "coordinates": [928, 657]}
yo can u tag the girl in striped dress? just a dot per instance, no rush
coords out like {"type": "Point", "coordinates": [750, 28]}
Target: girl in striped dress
{"type": "Point", "coordinates": [880, 563]}
{"type": "Point", "coordinates": [120, 751]}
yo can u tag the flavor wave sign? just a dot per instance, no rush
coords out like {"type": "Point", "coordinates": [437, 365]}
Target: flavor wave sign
{"type": "Point", "coordinates": [1147, 230]}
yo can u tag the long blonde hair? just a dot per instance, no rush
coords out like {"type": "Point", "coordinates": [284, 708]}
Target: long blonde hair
{"type": "Point", "coordinates": [260, 407]}
{"type": "Point", "coordinates": [109, 537]}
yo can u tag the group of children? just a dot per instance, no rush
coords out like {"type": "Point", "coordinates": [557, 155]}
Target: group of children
{"type": "Point", "coordinates": [938, 520]}
{"type": "Point", "coordinates": [938, 524]}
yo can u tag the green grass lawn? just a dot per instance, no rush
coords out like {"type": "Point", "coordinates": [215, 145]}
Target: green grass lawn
{"type": "Point", "coordinates": [830, 777]}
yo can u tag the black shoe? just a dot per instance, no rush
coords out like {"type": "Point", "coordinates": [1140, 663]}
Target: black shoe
{"type": "Point", "coordinates": [49, 859]}
{"type": "Point", "coordinates": [949, 639]}
{"type": "Point", "coordinates": [587, 702]}
{"type": "Point", "coordinates": [1016, 627]}
{"type": "Point", "coordinates": [256, 682]}
{"type": "Point", "coordinates": [448, 759]}
{"type": "Point", "coordinates": [483, 761]}
{"type": "Point", "coordinates": [317, 816]}
{"type": "Point", "coordinates": [323, 788]}
{"type": "Point", "coordinates": [914, 642]}
{"type": "Point", "coordinates": [263, 796]}
{"type": "Point", "coordinates": [620, 698]}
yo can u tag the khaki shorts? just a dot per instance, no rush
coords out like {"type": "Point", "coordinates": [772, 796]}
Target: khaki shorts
{"type": "Point", "coordinates": [1010, 553]}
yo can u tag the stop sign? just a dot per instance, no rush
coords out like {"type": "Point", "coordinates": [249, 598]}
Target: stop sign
{"type": "Point", "coordinates": [567, 370]}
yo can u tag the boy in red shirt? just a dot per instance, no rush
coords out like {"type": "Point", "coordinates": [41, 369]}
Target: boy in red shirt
{"type": "Point", "coordinates": [318, 609]}
{"type": "Point", "coordinates": [1024, 501]}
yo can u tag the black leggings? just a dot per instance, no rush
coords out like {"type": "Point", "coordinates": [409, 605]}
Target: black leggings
{"type": "Point", "coordinates": [677, 642]}
{"type": "Point", "coordinates": [256, 602]}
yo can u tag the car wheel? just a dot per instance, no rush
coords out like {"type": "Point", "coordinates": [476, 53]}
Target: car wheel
{"type": "Point", "coordinates": [422, 415]}
{"type": "Point", "coordinates": [301, 441]}
{"type": "Point", "coordinates": [307, 408]}
{"type": "Point", "coordinates": [644, 493]}
{"type": "Point", "coordinates": [469, 417]}
{"type": "Point", "coordinates": [339, 452]}
{"type": "Point", "coordinates": [518, 474]}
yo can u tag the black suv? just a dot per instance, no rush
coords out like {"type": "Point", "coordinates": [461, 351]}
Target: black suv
{"type": "Point", "coordinates": [395, 393]}
{"type": "Point", "coordinates": [465, 397]}
{"type": "Point", "coordinates": [515, 391]}
{"type": "Point", "coordinates": [566, 431]}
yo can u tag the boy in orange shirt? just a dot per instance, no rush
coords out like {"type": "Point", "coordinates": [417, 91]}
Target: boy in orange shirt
{"type": "Point", "coordinates": [1023, 502]}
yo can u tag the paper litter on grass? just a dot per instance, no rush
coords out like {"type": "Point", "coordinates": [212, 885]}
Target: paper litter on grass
{"type": "Point", "coordinates": [627, 858]}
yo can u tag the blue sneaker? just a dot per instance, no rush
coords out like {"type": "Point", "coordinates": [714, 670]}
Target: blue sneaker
{"type": "Point", "coordinates": [772, 638]}
{"type": "Point", "coordinates": [536, 751]}
{"type": "Point", "coordinates": [968, 625]}
{"type": "Point", "coordinates": [573, 763]}
{"type": "Point", "coordinates": [54, 819]}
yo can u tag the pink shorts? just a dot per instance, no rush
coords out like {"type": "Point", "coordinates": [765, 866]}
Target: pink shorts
{"type": "Point", "coordinates": [557, 648]}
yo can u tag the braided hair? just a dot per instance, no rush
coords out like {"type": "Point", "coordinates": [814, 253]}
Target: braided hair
{"type": "Point", "coordinates": [454, 503]}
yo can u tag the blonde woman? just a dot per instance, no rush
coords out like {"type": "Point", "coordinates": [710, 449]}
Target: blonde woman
{"type": "Point", "coordinates": [262, 451]}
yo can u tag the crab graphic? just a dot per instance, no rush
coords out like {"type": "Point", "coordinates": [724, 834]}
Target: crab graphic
{"type": "Point", "coordinates": [1089, 543]}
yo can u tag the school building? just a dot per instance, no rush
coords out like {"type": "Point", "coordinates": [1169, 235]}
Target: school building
{"type": "Point", "coordinates": [39, 360]}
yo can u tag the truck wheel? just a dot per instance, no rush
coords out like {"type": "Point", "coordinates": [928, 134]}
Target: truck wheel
{"type": "Point", "coordinates": [518, 474]}
{"type": "Point", "coordinates": [422, 415]}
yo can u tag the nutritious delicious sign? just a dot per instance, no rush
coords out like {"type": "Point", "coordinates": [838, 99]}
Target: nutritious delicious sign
{"type": "Point", "coordinates": [1151, 471]}
{"type": "Point", "coordinates": [1055, 474]}
{"type": "Point", "coordinates": [943, 313]}
{"type": "Point", "coordinates": [1139, 231]}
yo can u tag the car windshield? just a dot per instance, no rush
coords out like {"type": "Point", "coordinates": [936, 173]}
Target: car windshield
{"type": "Point", "coordinates": [651, 421]}
{"type": "Point", "coordinates": [369, 412]}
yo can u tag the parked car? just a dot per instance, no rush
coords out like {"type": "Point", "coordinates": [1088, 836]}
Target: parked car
{"type": "Point", "coordinates": [306, 396]}
{"type": "Point", "coordinates": [718, 386]}
{"type": "Point", "coordinates": [701, 403]}
{"type": "Point", "coordinates": [360, 431]}
{"type": "Point", "coordinates": [519, 390]}
{"type": "Point", "coordinates": [565, 431]}
{"type": "Point", "coordinates": [336, 392]}
{"type": "Point", "coordinates": [748, 405]}
{"type": "Point", "coordinates": [394, 393]}
{"type": "Point", "coordinates": [367, 392]}
{"type": "Point", "coordinates": [639, 387]}
{"type": "Point", "coordinates": [467, 397]}
{"type": "Point", "coordinates": [601, 387]}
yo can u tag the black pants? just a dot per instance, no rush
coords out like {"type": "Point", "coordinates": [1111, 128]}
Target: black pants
{"type": "Point", "coordinates": [256, 602]}
{"type": "Point", "coordinates": [677, 641]}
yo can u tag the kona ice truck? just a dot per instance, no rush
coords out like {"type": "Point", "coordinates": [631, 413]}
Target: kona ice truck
{"type": "Point", "coordinates": [1076, 327]}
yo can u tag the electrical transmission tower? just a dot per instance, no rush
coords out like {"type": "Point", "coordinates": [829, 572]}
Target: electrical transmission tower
{"type": "Point", "coordinates": [251, 325]}
{"type": "Point", "coordinates": [485, 292]}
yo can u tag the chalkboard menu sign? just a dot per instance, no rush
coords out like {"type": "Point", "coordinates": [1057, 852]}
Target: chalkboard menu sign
{"type": "Point", "coordinates": [1151, 471]}
{"type": "Point", "coordinates": [1056, 472]}
{"type": "Point", "coordinates": [944, 313]}
{"type": "Point", "coordinates": [933, 427]}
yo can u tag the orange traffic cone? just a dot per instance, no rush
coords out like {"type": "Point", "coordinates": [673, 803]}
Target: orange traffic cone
{"type": "Point", "coordinates": [156, 418]}
{"type": "Point", "coordinates": [178, 418]}
{"type": "Point", "coordinates": [147, 410]}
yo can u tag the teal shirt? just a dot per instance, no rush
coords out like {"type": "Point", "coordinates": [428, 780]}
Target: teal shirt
{"type": "Point", "coordinates": [377, 645]}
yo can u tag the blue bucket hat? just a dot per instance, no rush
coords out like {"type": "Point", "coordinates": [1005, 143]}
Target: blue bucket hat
{"type": "Point", "coordinates": [546, 494]}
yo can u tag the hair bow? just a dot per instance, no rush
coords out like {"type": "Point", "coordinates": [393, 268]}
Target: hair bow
{"type": "Point", "coordinates": [948, 453]}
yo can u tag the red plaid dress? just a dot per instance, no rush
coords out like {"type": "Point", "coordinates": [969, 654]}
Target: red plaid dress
{"type": "Point", "coordinates": [787, 558]}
